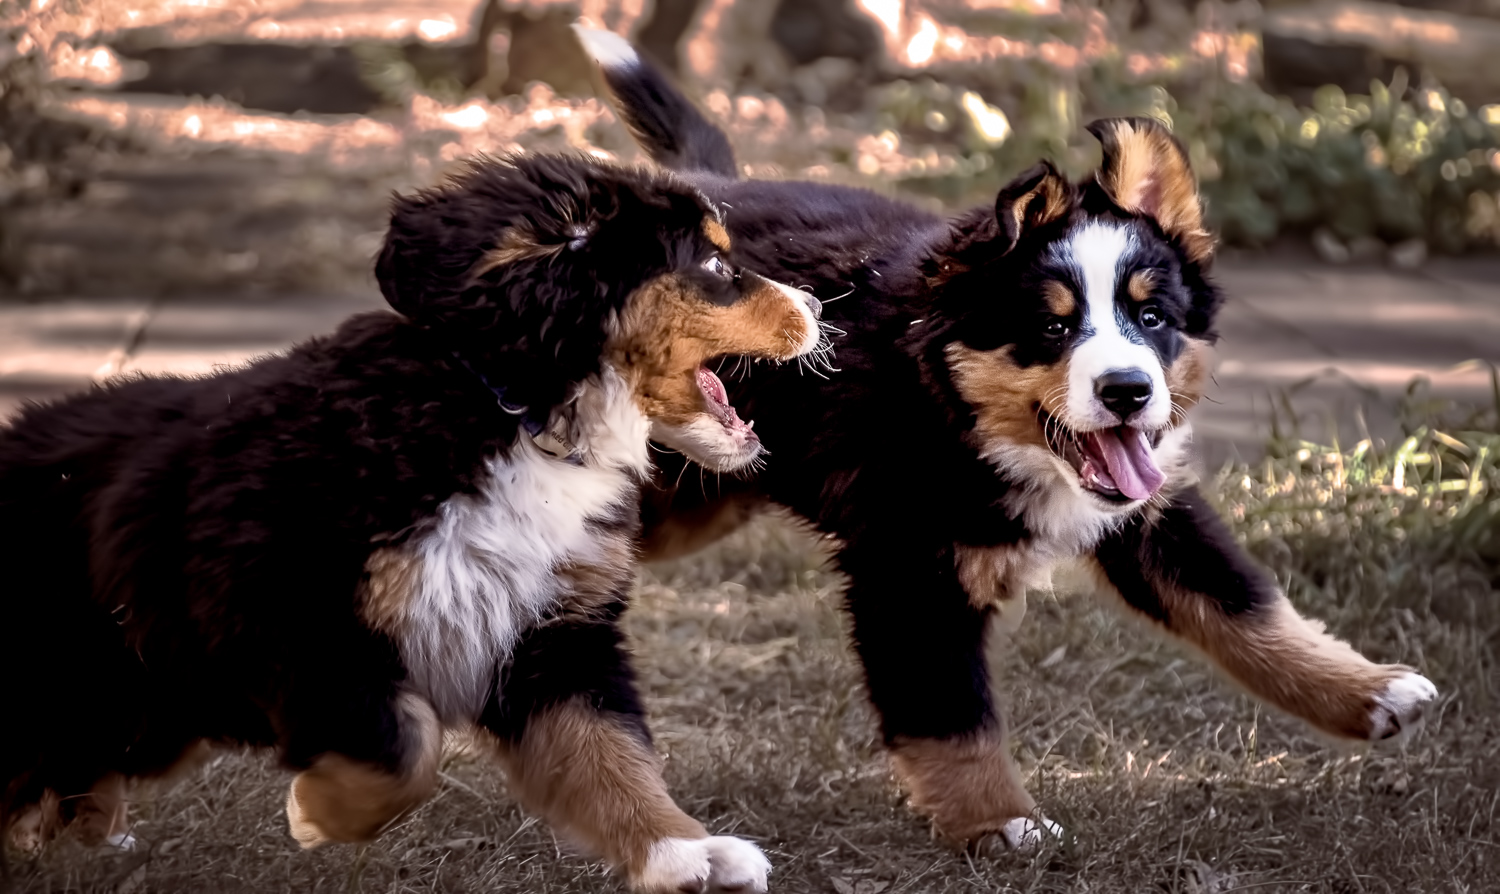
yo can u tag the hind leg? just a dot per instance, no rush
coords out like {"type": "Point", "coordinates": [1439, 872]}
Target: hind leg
{"type": "Point", "coordinates": [345, 799]}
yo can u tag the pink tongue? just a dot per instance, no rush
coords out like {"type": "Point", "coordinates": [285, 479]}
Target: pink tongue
{"type": "Point", "coordinates": [713, 389]}
{"type": "Point", "coordinates": [1128, 456]}
{"type": "Point", "coordinates": [718, 399]}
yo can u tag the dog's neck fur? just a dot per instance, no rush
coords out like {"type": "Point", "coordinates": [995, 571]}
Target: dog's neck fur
{"type": "Point", "coordinates": [605, 427]}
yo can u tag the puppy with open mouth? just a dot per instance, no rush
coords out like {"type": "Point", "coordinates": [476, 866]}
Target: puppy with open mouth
{"type": "Point", "coordinates": [1013, 392]}
{"type": "Point", "coordinates": [424, 521]}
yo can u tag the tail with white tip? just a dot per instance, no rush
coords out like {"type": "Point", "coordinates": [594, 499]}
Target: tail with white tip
{"type": "Point", "coordinates": [663, 120]}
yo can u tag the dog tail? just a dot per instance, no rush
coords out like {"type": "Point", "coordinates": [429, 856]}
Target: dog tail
{"type": "Point", "coordinates": [665, 122]}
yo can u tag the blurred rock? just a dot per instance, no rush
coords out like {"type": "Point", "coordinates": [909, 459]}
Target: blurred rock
{"type": "Point", "coordinates": [661, 34]}
{"type": "Point", "coordinates": [1366, 248]}
{"type": "Point", "coordinates": [816, 29]}
{"type": "Point", "coordinates": [1408, 255]}
{"type": "Point", "coordinates": [1329, 247]}
{"type": "Point", "coordinates": [272, 77]}
{"type": "Point", "coordinates": [1349, 42]}
{"type": "Point", "coordinates": [1295, 67]}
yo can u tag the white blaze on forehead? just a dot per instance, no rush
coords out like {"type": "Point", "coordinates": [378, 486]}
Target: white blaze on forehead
{"type": "Point", "coordinates": [1098, 252]}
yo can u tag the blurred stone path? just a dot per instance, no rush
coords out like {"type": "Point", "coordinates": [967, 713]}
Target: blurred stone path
{"type": "Point", "coordinates": [1337, 342]}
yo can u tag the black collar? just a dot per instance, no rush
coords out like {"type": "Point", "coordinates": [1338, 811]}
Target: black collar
{"type": "Point", "coordinates": [534, 423]}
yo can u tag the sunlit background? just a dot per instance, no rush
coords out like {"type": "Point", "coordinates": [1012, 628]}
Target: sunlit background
{"type": "Point", "coordinates": [171, 150]}
{"type": "Point", "coordinates": [189, 183]}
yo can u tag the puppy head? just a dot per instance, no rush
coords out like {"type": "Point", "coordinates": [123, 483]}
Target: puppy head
{"type": "Point", "coordinates": [1077, 319]}
{"type": "Point", "coordinates": [544, 271]}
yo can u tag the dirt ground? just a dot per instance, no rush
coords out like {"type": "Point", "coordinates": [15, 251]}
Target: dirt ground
{"type": "Point", "coordinates": [1164, 778]}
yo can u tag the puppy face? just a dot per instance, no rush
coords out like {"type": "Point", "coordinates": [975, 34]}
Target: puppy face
{"type": "Point", "coordinates": [677, 324]}
{"type": "Point", "coordinates": [1080, 323]}
{"type": "Point", "coordinates": [541, 272]}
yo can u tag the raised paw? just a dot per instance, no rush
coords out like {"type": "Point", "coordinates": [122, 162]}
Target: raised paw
{"type": "Point", "coordinates": [1400, 707]}
{"type": "Point", "coordinates": [717, 865]}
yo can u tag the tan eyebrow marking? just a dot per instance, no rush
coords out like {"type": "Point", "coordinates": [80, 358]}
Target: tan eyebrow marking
{"type": "Point", "coordinates": [716, 234]}
{"type": "Point", "coordinates": [1060, 299]}
{"type": "Point", "coordinates": [1140, 285]}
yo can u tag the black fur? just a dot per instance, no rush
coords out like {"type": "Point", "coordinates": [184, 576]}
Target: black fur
{"type": "Point", "coordinates": [879, 454]}
{"type": "Point", "coordinates": [183, 555]}
{"type": "Point", "coordinates": [668, 125]}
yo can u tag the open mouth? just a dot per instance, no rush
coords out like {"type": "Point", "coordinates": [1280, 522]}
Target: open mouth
{"type": "Point", "coordinates": [720, 408]}
{"type": "Point", "coordinates": [1115, 464]}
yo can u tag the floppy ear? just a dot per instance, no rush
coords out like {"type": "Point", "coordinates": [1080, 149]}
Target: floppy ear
{"type": "Point", "coordinates": [1146, 172]}
{"type": "Point", "coordinates": [492, 261]}
{"type": "Point", "coordinates": [1037, 197]}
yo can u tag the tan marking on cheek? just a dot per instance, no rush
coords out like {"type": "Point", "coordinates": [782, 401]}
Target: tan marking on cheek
{"type": "Point", "coordinates": [968, 786]}
{"type": "Point", "coordinates": [668, 330]}
{"type": "Point", "coordinates": [1006, 397]}
{"type": "Point", "coordinates": [716, 234]}
{"type": "Point", "coordinates": [592, 778]}
{"type": "Point", "coordinates": [1188, 374]}
{"type": "Point", "coordinates": [655, 352]}
{"type": "Point", "coordinates": [1060, 299]}
{"type": "Point", "coordinates": [1140, 285]}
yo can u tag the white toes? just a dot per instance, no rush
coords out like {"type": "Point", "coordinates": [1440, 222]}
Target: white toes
{"type": "Point", "coordinates": [738, 865]}
{"type": "Point", "coordinates": [123, 841]}
{"type": "Point", "coordinates": [719, 865]}
{"type": "Point", "coordinates": [1024, 834]}
{"type": "Point", "coordinates": [1400, 707]}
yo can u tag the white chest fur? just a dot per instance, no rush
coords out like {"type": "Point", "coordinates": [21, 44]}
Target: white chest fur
{"type": "Point", "coordinates": [1064, 522]}
{"type": "Point", "coordinates": [486, 571]}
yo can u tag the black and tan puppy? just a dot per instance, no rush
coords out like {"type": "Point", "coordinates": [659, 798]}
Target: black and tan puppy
{"type": "Point", "coordinates": [1012, 391]}
{"type": "Point", "coordinates": [424, 521]}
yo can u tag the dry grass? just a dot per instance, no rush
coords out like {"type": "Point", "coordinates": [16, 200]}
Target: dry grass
{"type": "Point", "coordinates": [1165, 779]}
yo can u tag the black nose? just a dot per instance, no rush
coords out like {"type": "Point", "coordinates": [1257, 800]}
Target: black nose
{"type": "Point", "coordinates": [1124, 391]}
{"type": "Point", "coordinates": [815, 306]}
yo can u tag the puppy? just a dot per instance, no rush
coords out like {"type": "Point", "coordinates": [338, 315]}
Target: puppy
{"type": "Point", "coordinates": [1013, 392]}
{"type": "Point", "coordinates": [421, 522]}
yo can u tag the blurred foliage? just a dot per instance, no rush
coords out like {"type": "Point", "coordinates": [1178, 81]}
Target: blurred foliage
{"type": "Point", "coordinates": [1398, 164]}
{"type": "Point", "coordinates": [1395, 165]}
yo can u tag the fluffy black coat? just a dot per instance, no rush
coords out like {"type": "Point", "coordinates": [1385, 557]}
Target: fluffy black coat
{"type": "Point", "coordinates": [184, 555]}
{"type": "Point", "coordinates": [890, 459]}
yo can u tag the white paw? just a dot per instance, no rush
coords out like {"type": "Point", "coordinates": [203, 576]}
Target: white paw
{"type": "Point", "coordinates": [1400, 706]}
{"type": "Point", "coordinates": [1024, 834]}
{"type": "Point", "coordinates": [718, 865]}
{"type": "Point", "coordinates": [123, 841]}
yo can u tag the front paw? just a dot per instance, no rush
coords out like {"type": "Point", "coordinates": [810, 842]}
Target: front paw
{"type": "Point", "coordinates": [1400, 706]}
{"type": "Point", "coordinates": [718, 865]}
{"type": "Point", "coordinates": [1022, 835]}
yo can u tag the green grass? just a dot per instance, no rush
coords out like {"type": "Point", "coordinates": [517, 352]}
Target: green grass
{"type": "Point", "coordinates": [1166, 779]}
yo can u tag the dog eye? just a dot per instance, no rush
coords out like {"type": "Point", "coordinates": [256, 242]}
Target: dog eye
{"type": "Point", "coordinates": [717, 267]}
{"type": "Point", "coordinates": [1057, 329]}
{"type": "Point", "coordinates": [1151, 318]}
